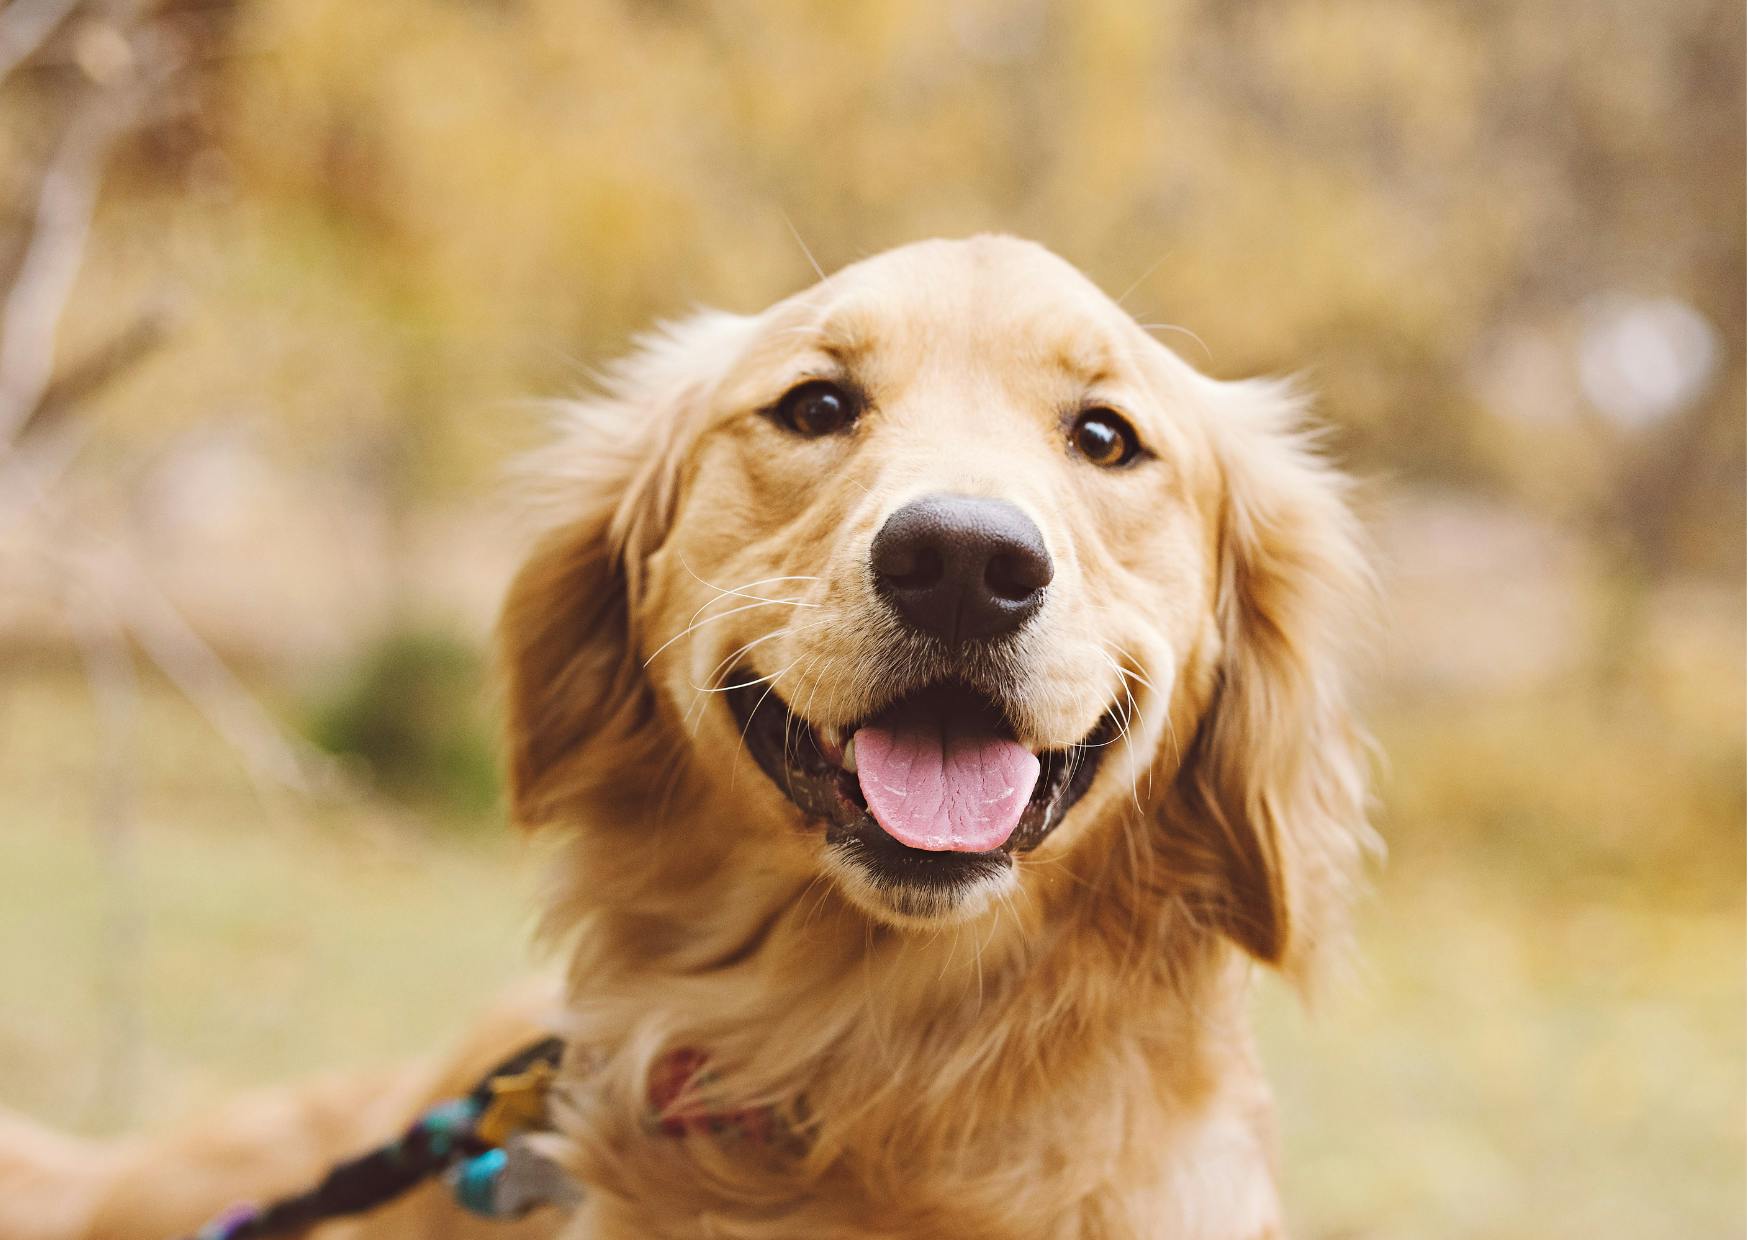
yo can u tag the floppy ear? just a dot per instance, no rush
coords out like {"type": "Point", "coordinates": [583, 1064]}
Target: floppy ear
{"type": "Point", "coordinates": [1274, 788]}
{"type": "Point", "coordinates": [578, 709]}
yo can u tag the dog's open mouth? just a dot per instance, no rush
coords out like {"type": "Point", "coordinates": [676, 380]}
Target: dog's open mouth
{"type": "Point", "coordinates": [933, 791]}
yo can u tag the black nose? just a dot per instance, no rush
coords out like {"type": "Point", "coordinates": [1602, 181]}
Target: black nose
{"type": "Point", "coordinates": [961, 568]}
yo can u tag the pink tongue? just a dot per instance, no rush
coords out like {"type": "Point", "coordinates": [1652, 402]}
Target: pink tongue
{"type": "Point", "coordinates": [944, 788]}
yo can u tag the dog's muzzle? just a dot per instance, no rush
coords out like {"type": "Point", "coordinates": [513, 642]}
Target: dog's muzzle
{"type": "Point", "coordinates": [929, 794]}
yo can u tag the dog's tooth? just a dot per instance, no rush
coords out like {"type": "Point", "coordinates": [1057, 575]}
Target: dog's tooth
{"type": "Point", "coordinates": [850, 756]}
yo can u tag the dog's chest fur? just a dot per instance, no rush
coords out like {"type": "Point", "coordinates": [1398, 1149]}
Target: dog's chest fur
{"type": "Point", "coordinates": [986, 1088]}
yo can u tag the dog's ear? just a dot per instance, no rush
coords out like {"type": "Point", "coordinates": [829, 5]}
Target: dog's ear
{"type": "Point", "coordinates": [1275, 786]}
{"type": "Point", "coordinates": [578, 713]}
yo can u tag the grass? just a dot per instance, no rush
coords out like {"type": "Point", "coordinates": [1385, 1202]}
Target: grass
{"type": "Point", "coordinates": [1544, 1037]}
{"type": "Point", "coordinates": [1519, 1060]}
{"type": "Point", "coordinates": [272, 944]}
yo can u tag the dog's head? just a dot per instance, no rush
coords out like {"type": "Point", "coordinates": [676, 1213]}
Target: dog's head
{"type": "Point", "coordinates": [943, 579]}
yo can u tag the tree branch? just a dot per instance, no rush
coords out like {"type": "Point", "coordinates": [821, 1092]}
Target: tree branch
{"type": "Point", "coordinates": [23, 27]}
{"type": "Point", "coordinates": [94, 372]}
{"type": "Point", "coordinates": [109, 668]}
{"type": "Point", "coordinates": [31, 316]}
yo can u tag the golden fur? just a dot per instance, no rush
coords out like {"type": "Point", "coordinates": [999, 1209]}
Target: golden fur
{"type": "Point", "coordinates": [1065, 1053]}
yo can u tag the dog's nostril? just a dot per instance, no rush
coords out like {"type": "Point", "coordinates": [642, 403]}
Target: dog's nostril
{"type": "Point", "coordinates": [961, 567]}
{"type": "Point", "coordinates": [1017, 577]}
{"type": "Point", "coordinates": [911, 567]}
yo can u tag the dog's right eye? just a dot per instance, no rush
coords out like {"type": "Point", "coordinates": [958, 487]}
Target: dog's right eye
{"type": "Point", "coordinates": [817, 408]}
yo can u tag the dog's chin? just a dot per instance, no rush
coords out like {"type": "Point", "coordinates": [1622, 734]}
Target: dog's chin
{"type": "Point", "coordinates": [885, 877]}
{"type": "Point", "coordinates": [926, 897]}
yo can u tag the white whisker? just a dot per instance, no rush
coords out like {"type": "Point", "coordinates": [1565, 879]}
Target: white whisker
{"type": "Point", "coordinates": [1137, 677]}
{"type": "Point", "coordinates": [707, 687]}
{"type": "Point", "coordinates": [1173, 327]}
{"type": "Point", "coordinates": [721, 615]}
{"type": "Point", "coordinates": [796, 233]}
{"type": "Point", "coordinates": [790, 719]}
{"type": "Point", "coordinates": [700, 694]}
{"type": "Point", "coordinates": [769, 687]}
{"type": "Point", "coordinates": [738, 591]}
{"type": "Point", "coordinates": [1138, 280]}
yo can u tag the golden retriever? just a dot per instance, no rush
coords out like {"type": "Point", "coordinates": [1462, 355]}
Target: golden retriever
{"type": "Point", "coordinates": [939, 687]}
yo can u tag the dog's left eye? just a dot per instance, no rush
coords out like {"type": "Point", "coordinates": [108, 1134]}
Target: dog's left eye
{"type": "Point", "coordinates": [1104, 438]}
{"type": "Point", "coordinates": [817, 408]}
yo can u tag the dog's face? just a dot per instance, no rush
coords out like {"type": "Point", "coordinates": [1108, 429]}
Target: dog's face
{"type": "Point", "coordinates": [941, 537]}
{"type": "Point", "coordinates": [936, 575]}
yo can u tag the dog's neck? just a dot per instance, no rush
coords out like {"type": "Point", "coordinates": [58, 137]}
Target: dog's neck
{"type": "Point", "coordinates": [1089, 1042]}
{"type": "Point", "coordinates": [794, 994]}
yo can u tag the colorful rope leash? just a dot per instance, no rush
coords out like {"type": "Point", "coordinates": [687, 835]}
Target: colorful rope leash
{"type": "Point", "coordinates": [474, 1142]}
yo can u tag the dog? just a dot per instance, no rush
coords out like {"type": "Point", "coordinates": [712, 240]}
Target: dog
{"type": "Point", "coordinates": [939, 690]}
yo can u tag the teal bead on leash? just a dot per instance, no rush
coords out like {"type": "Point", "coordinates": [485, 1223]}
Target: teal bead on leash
{"type": "Point", "coordinates": [476, 1183]}
{"type": "Point", "coordinates": [445, 1125]}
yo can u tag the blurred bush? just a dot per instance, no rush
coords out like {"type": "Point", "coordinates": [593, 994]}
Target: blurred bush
{"type": "Point", "coordinates": [409, 714]}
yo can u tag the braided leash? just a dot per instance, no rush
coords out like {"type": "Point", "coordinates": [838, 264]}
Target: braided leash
{"type": "Point", "coordinates": [479, 1145]}
{"type": "Point", "coordinates": [474, 1142]}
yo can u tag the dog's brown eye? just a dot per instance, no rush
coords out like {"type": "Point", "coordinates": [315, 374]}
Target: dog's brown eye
{"type": "Point", "coordinates": [1105, 439]}
{"type": "Point", "coordinates": [816, 408]}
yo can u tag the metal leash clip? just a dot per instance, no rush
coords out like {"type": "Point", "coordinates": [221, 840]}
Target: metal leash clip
{"type": "Point", "coordinates": [509, 1181]}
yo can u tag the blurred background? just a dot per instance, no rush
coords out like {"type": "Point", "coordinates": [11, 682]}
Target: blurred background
{"type": "Point", "coordinates": [279, 278]}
